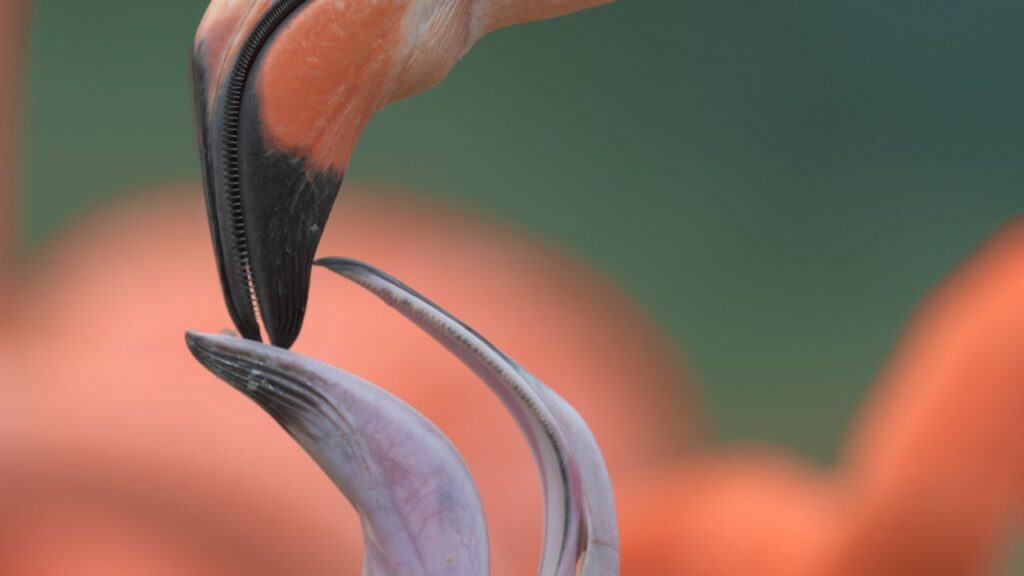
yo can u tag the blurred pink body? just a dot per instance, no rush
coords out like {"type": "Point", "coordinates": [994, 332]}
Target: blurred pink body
{"type": "Point", "coordinates": [932, 482]}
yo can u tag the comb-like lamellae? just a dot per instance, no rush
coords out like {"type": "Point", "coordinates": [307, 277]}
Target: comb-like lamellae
{"type": "Point", "coordinates": [228, 115]}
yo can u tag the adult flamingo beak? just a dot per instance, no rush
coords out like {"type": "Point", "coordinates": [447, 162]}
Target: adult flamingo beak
{"type": "Point", "coordinates": [271, 173]}
{"type": "Point", "coordinates": [283, 89]}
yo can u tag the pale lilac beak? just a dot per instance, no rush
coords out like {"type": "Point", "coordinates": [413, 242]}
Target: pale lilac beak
{"type": "Point", "coordinates": [429, 521]}
{"type": "Point", "coordinates": [580, 532]}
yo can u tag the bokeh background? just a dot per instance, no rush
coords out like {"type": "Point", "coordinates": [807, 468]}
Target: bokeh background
{"type": "Point", "coordinates": [777, 183]}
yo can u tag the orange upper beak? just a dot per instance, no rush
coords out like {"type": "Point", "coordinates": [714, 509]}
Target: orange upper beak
{"type": "Point", "coordinates": [280, 100]}
{"type": "Point", "coordinates": [283, 90]}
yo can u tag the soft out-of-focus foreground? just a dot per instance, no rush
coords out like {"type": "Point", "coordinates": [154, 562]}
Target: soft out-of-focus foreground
{"type": "Point", "coordinates": [775, 187]}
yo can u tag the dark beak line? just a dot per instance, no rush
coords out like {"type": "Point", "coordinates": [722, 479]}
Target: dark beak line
{"type": "Point", "coordinates": [267, 206]}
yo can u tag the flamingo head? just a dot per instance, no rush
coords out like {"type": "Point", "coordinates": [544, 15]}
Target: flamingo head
{"type": "Point", "coordinates": [283, 89]}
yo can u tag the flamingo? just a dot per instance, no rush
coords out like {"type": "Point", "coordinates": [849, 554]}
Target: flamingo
{"type": "Point", "coordinates": [278, 128]}
{"type": "Point", "coordinates": [283, 90]}
{"type": "Point", "coordinates": [171, 455]}
{"type": "Point", "coordinates": [121, 455]}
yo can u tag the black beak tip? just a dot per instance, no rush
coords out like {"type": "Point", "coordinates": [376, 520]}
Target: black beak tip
{"type": "Point", "coordinates": [201, 346]}
{"type": "Point", "coordinates": [268, 206]}
{"type": "Point", "coordinates": [257, 371]}
{"type": "Point", "coordinates": [193, 340]}
{"type": "Point", "coordinates": [284, 210]}
{"type": "Point", "coordinates": [286, 337]}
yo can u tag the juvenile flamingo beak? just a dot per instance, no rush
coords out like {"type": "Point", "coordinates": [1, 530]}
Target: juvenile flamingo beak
{"type": "Point", "coordinates": [419, 507]}
{"type": "Point", "coordinates": [581, 531]}
{"type": "Point", "coordinates": [366, 439]}
{"type": "Point", "coordinates": [283, 89]}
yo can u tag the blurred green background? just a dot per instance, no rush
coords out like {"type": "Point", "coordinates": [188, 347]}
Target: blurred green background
{"type": "Point", "coordinates": [778, 183]}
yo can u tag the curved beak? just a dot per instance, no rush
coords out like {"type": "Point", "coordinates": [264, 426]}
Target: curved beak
{"type": "Point", "coordinates": [581, 531]}
{"type": "Point", "coordinates": [280, 101]}
{"type": "Point", "coordinates": [283, 89]}
{"type": "Point", "coordinates": [420, 509]}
